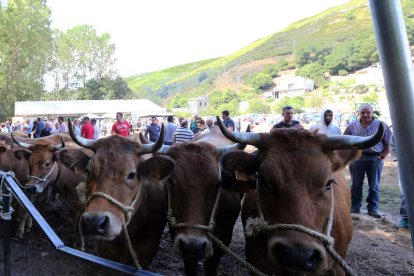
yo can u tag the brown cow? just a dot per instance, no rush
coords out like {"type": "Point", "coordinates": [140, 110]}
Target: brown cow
{"type": "Point", "coordinates": [298, 182]}
{"type": "Point", "coordinates": [45, 170]}
{"type": "Point", "coordinates": [193, 191]}
{"type": "Point", "coordinates": [122, 190]}
{"type": "Point", "coordinates": [14, 158]}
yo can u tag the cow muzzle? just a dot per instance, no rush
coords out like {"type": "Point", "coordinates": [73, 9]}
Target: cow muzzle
{"type": "Point", "coordinates": [100, 225]}
{"type": "Point", "coordinates": [297, 257]}
{"type": "Point", "coordinates": [192, 248]}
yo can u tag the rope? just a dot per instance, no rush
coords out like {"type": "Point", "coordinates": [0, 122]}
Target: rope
{"type": "Point", "coordinates": [130, 248]}
{"type": "Point", "coordinates": [45, 178]}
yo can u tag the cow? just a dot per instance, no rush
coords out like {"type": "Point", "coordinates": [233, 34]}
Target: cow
{"type": "Point", "coordinates": [46, 170]}
{"type": "Point", "coordinates": [122, 191]}
{"type": "Point", "coordinates": [298, 199]}
{"type": "Point", "coordinates": [197, 205]}
{"type": "Point", "coordinates": [13, 158]}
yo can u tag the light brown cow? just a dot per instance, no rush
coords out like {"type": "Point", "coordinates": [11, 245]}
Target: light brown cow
{"type": "Point", "coordinates": [298, 184]}
{"type": "Point", "coordinates": [46, 170]}
{"type": "Point", "coordinates": [122, 190]}
{"type": "Point", "coordinates": [194, 192]}
{"type": "Point", "coordinates": [14, 158]}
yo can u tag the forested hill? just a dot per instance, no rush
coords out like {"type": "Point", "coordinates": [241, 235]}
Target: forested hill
{"type": "Point", "coordinates": [339, 40]}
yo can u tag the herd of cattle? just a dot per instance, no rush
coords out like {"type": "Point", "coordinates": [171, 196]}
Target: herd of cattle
{"type": "Point", "coordinates": [292, 183]}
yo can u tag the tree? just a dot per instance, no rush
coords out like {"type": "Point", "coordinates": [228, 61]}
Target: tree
{"type": "Point", "coordinates": [261, 81]}
{"type": "Point", "coordinates": [314, 71]}
{"type": "Point", "coordinates": [25, 43]}
{"type": "Point", "coordinates": [105, 88]}
{"type": "Point", "coordinates": [258, 106]}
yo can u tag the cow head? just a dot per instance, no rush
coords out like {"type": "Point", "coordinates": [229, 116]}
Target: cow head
{"type": "Point", "coordinates": [295, 175]}
{"type": "Point", "coordinates": [43, 163]}
{"type": "Point", "coordinates": [116, 175]}
{"type": "Point", "coordinates": [193, 191]}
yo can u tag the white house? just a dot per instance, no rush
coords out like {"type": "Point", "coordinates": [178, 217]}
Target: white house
{"type": "Point", "coordinates": [291, 86]}
{"type": "Point", "coordinates": [198, 104]}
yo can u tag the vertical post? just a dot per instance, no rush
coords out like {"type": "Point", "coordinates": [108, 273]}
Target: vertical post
{"type": "Point", "coordinates": [395, 58]}
{"type": "Point", "coordinates": [6, 217]}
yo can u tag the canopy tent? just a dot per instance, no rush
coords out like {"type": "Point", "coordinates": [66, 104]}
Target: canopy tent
{"type": "Point", "coordinates": [91, 116]}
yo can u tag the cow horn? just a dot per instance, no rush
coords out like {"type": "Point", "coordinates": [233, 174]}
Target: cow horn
{"type": "Point", "coordinates": [148, 148]}
{"type": "Point", "coordinates": [238, 137]}
{"type": "Point", "coordinates": [336, 142]}
{"type": "Point", "coordinates": [62, 145]}
{"type": "Point", "coordinates": [22, 144]}
{"type": "Point", "coordinates": [83, 142]}
{"type": "Point", "coordinates": [229, 148]}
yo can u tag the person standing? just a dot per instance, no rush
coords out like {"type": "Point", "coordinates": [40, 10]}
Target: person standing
{"type": "Point", "coordinates": [28, 128]}
{"type": "Point", "coordinates": [87, 130]}
{"type": "Point", "coordinates": [153, 130]}
{"type": "Point", "coordinates": [121, 126]}
{"type": "Point", "coordinates": [96, 129]}
{"type": "Point", "coordinates": [227, 121]}
{"type": "Point", "coordinates": [201, 124]}
{"type": "Point", "coordinates": [170, 127]}
{"type": "Point", "coordinates": [326, 125]}
{"type": "Point", "coordinates": [62, 126]}
{"type": "Point", "coordinates": [370, 163]}
{"type": "Point", "coordinates": [193, 125]}
{"type": "Point", "coordinates": [40, 125]}
{"type": "Point", "coordinates": [287, 122]}
{"type": "Point", "coordinates": [403, 222]}
{"type": "Point", "coordinates": [183, 134]}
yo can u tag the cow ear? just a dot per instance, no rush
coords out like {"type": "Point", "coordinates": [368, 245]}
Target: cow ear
{"type": "Point", "coordinates": [157, 168]}
{"type": "Point", "coordinates": [22, 154]}
{"type": "Point", "coordinates": [341, 158]}
{"type": "Point", "coordinates": [238, 171]}
{"type": "Point", "coordinates": [74, 159]}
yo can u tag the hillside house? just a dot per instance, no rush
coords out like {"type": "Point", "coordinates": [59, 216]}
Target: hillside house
{"type": "Point", "coordinates": [290, 86]}
{"type": "Point", "coordinates": [370, 75]}
{"type": "Point", "coordinates": [198, 104]}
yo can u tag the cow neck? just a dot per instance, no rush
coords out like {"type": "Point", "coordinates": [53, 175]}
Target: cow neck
{"type": "Point", "coordinates": [254, 226]}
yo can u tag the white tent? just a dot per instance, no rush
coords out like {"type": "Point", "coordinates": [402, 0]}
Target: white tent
{"type": "Point", "coordinates": [91, 116]}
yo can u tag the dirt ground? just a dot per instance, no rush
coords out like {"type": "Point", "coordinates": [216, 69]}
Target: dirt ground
{"type": "Point", "coordinates": [377, 248]}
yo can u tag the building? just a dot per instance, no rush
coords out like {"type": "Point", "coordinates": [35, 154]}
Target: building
{"type": "Point", "coordinates": [290, 86]}
{"type": "Point", "coordinates": [198, 104]}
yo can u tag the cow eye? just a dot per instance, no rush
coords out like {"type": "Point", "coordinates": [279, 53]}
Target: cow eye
{"type": "Point", "coordinates": [47, 164]}
{"type": "Point", "coordinates": [131, 175]}
{"type": "Point", "coordinates": [328, 185]}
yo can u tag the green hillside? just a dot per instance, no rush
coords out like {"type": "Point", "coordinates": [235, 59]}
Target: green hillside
{"type": "Point", "coordinates": [339, 40]}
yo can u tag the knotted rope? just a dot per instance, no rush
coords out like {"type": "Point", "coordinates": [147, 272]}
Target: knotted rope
{"type": "Point", "coordinates": [38, 179]}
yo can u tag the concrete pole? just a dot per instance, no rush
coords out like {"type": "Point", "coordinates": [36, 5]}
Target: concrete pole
{"type": "Point", "coordinates": [395, 57]}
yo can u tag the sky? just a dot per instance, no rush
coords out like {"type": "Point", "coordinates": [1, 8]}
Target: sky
{"type": "Point", "coordinates": [151, 35]}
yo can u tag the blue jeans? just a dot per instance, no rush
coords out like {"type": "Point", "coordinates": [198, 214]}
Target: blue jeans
{"type": "Point", "coordinates": [372, 167]}
{"type": "Point", "coordinates": [403, 204]}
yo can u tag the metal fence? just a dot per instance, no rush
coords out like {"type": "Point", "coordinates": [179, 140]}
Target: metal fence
{"type": "Point", "coordinates": [10, 188]}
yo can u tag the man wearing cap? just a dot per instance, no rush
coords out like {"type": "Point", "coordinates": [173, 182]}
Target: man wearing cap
{"type": "Point", "coordinates": [287, 122]}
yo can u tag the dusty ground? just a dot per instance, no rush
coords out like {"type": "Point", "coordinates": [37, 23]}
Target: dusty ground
{"type": "Point", "coordinates": [377, 248]}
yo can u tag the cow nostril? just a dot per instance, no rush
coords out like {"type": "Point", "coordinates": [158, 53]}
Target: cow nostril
{"type": "Point", "coordinates": [314, 259]}
{"type": "Point", "coordinates": [101, 224]}
{"type": "Point", "coordinates": [204, 245]}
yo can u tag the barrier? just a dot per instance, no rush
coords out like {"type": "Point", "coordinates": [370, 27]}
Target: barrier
{"type": "Point", "coordinates": [9, 187]}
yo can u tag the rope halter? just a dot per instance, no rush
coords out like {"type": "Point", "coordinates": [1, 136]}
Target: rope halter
{"type": "Point", "coordinates": [40, 180]}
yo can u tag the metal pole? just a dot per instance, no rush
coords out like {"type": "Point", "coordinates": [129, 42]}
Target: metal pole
{"type": "Point", "coordinates": [6, 217]}
{"type": "Point", "coordinates": [397, 67]}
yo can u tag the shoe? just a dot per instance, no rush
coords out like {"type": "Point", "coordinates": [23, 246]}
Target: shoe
{"type": "Point", "coordinates": [403, 223]}
{"type": "Point", "coordinates": [355, 211]}
{"type": "Point", "coordinates": [374, 214]}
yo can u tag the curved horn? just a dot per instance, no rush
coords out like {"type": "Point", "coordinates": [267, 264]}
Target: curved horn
{"type": "Point", "coordinates": [148, 148]}
{"type": "Point", "coordinates": [83, 142]}
{"type": "Point", "coordinates": [238, 137]}
{"type": "Point", "coordinates": [229, 148]}
{"type": "Point", "coordinates": [23, 145]}
{"type": "Point", "coordinates": [164, 149]}
{"type": "Point", "coordinates": [62, 145]}
{"type": "Point", "coordinates": [143, 139]}
{"type": "Point", "coordinates": [335, 142]}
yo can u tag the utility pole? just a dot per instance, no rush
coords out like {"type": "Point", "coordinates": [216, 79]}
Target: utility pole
{"type": "Point", "coordinates": [238, 83]}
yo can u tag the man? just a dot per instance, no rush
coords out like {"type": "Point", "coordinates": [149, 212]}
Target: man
{"type": "Point", "coordinates": [209, 124]}
{"type": "Point", "coordinates": [40, 125]}
{"type": "Point", "coordinates": [62, 126]}
{"type": "Point", "coordinates": [170, 127]}
{"type": "Point", "coordinates": [28, 127]}
{"type": "Point", "coordinates": [121, 127]}
{"type": "Point", "coordinates": [183, 134]}
{"type": "Point", "coordinates": [87, 130]}
{"type": "Point", "coordinates": [287, 122]}
{"type": "Point", "coordinates": [77, 126]}
{"type": "Point", "coordinates": [153, 130]}
{"type": "Point", "coordinates": [96, 129]}
{"type": "Point", "coordinates": [370, 163]}
{"type": "Point", "coordinates": [326, 125]}
{"type": "Point", "coordinates": [227, 121]}
{"type": "Point", "coordinates": [193, 125]}
{"type": "Point", "coordinates": [202, 128]}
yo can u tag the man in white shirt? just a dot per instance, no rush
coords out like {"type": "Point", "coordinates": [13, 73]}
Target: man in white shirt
{"type": "Point", "coordinates": [326, 125]}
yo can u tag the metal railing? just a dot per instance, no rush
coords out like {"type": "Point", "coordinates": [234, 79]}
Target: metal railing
{"type": "Point", "coordinates": [9, 188]}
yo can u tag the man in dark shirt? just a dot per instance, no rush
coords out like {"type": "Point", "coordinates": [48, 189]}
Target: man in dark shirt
{"type": "Point", "coordinates": [287, 122]}
{"type": "Point", "coordinates": [227, 121]}
{"type": "Point", "coordinates": [153, 130]}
